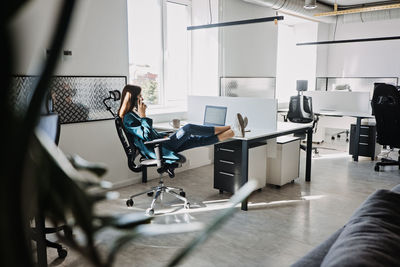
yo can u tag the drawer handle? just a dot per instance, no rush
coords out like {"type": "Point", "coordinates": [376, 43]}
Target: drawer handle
{"type": "Point", "coordinates": [363, 135]}
{"type": "Point", "coordinates": [227, 150]}
{"type": "Point", "coordinates": [364, 144]}
{"type": "Point", "coordinates": [364, 127]}
{"type": "Point", "coordinates": [227, 162]}
{"type": "Point", "coordinates": [227, 174]}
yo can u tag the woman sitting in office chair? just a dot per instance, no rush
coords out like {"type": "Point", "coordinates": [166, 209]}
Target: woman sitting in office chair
{"type": "Point", "coordinates": [133, 114]}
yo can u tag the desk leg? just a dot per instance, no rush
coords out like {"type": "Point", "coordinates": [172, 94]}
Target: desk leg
{"type": "Point", "coordinates": [309, 154]}
{"type": "Point", "coordinates": [144, 174]}
{"type": "Point", "coordinates": [245, 169]}
{"type": "Point", "coordinates": [357, 139]}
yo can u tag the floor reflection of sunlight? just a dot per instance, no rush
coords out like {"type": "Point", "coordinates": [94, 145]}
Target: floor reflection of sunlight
{"type": "Point", "coordinates": [332, 156]}
{"type": "Point", "coordinates": [214, 205]}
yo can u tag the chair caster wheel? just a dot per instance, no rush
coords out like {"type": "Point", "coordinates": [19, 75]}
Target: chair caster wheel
{"type": "Point", "coordinates": [347, 140]}
{"type": "Point", "coordinates": [338, 136]}
{"type": "Point", "coordinates": [150, 194]}
{"type": "Point", "coordinates": [182, 194]}
{"type": "Point", "coordinates": [187, 206]}
{"type": "Point", "coordinates": [333, 138]}
{"type": "Point", "coordinates": [376, 168]}
{"type": "Point", "coordinates": [129, 202]}
{"type": "Point", "coordinates": [150, 212]}
{"type": "Point", "coordinates": [62, 253]}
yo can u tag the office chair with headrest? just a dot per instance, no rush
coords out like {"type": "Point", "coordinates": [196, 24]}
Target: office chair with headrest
{"type": "Point", "coordinates": [386, 108]}
{"type": "Point", "coordinates": [301, 111]}
{"type": "Point", "coordinates": [134, 154]}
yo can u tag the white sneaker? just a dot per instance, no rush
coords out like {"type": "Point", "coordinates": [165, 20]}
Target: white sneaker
{"type": "Point", "coordinates": [238, 127]}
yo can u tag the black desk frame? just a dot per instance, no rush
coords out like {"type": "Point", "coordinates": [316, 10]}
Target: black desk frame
{"type": "Point", "coordinates": [246, 144]}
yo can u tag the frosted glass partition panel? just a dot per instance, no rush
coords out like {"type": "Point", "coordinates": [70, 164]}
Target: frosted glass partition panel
{"type": "Point", "coordinates": [248, 86]}
{"type": "Point", "coordinates": [340, 101]}
{"type": "Point", "coordinates": [365, 84]}
{"type": "Point", "coordinates": [261, 112]}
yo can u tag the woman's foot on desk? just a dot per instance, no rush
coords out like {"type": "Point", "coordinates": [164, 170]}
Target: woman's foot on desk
{"type": "Point", "coordinates": [225, 135]}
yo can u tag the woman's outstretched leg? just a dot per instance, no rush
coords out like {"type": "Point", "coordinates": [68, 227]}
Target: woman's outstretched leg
{"type": "Point", "coordinates": [198, 141]}
{"type": "Point", "coordinates": [186, 132]}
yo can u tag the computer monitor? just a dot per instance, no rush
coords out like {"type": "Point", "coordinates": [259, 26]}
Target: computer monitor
{"type": "Point", "coordinates": [301, 85]}
{"type": "Point", "coordinates": [214, 116]}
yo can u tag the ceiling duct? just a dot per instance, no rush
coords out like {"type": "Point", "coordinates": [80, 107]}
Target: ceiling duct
{"type": "Point", "coordinates": [296, 8]}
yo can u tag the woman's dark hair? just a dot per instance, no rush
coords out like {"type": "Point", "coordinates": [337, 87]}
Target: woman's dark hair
{"type": "Point", "coordinates": [132, 102]}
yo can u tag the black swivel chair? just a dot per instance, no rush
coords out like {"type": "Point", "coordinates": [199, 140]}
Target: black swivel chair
{"type": "Point", "coordinates": [134, 154]}
{"type": "Point", "coordinates": [50, 124]}
{"type": "Point", "coordinates": [301, 111]}
{"type": "Point", "coordinates": [386, 108]}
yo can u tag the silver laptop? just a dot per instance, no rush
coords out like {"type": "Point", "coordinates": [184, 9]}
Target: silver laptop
{"type": "Point", "coordinates": [214, 116]}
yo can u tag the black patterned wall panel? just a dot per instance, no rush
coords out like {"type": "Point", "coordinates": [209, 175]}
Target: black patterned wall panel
{"type": "Point", "coordinates": [22, 93]}
{"type": "Point", "coordinates": [76, 98]}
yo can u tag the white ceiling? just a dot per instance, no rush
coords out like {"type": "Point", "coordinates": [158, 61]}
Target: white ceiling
{"type": "Point", "coordinates": [350, 2]}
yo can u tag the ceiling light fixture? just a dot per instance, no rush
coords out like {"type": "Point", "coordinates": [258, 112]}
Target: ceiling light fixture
{"type": "Point", "coordinates": [237, 22]}
{"type": "Point", "coordinates": [352, 40]}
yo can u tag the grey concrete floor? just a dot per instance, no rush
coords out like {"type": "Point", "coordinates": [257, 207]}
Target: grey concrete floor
{"type": "Point", "coordinates": [281, 225]}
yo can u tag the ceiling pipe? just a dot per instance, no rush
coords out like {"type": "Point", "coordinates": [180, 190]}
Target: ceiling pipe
{"type": "Point", "coordinates": [296, 8]}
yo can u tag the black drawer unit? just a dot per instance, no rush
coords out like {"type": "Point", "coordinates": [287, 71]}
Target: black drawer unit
{"type": "Point", "coordinates": [367, 140]}
{"type": "Point", "coordinates": [227, 166]}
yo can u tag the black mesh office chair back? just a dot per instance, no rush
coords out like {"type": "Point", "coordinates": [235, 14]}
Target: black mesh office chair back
{"type": "Point", "coordinates": [386, 108]}
{"type": "Point", "coordinates": [130, 149]}
{"type": "Point", "coordinates": [300, 106]}
{"type": "Point", "coordinates": [300, 109]}
{"type": "Point", "coordinates": [133, 153]}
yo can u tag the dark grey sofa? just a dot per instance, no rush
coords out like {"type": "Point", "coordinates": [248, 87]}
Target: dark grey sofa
{"type": "Point", "coordinates": [371, 237]}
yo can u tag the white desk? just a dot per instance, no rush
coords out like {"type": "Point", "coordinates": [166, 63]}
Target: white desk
{"type": "Point", "coordinates": [342, 113]}
{"type": "Point", "coordinates": [258, 137]}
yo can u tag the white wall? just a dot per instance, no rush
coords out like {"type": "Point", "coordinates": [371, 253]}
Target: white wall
{"type": "Point", "coordinates": [98, 41]}
{"type": "Point", "coordinates": [367, 59]}
{"type": "Point", "coordinates": [295, 62]}
{"type": "Point", "coordinates": [247, 50]}
{"type": "Point", "coordinates": [204, 63]}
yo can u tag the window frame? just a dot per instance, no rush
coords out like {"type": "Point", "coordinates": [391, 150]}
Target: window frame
{"type": "Point", "coordinates": [163, 103]}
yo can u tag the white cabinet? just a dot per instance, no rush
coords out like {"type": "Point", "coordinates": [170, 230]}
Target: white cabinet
{"type": "Point", "coordinates": [284, 168]}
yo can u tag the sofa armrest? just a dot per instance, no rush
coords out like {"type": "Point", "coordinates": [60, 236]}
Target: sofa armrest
{"type": "Point", "coordinates": [317, 255]}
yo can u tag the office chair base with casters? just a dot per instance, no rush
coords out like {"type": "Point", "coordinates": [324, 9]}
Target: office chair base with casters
{"type": "Point", "coordinates": [315, 149]}
{"type": "Point", "coordinates": [338, 135]}
{"type": "Point", "coordinates": [157, 192]}
{"type": "Point", "coordinates": [387, 162]}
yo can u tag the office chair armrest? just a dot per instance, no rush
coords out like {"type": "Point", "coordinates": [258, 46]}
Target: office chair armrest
{"type": "Point", "coordinates": [157, 141]}
{"type": "Point", "coordinates": [81, 164]}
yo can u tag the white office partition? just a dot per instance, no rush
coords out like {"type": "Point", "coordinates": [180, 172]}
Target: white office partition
{"type": "Point", "coordinates": [340, 101]}
{"type": "Point", "coordinates": [261, 112]}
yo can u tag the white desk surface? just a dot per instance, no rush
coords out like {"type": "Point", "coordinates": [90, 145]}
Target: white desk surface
{"type": "Point", "coordinates": [253, 134]}
{"type": "Point", "coordinates": [336, 113]}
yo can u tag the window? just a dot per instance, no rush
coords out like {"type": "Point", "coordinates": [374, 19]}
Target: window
{"type": "Point", "coordinates": [159, 50]}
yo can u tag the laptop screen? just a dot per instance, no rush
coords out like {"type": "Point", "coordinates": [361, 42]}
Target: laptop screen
{"type": "Point", "coordinates": [215, 116]}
